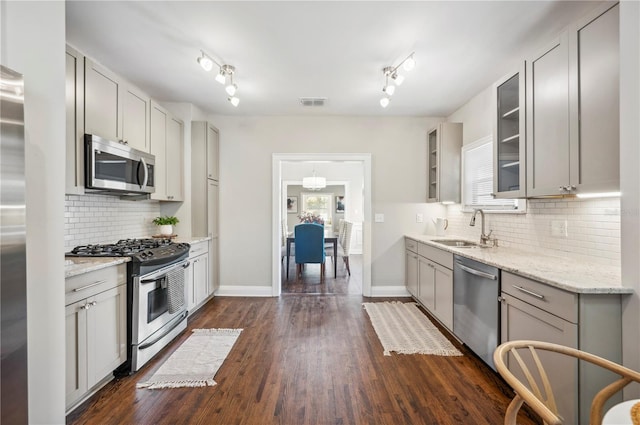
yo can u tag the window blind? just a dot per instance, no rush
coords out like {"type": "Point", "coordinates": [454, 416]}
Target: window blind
{"type": "Point", "coordinates": [477, 179]}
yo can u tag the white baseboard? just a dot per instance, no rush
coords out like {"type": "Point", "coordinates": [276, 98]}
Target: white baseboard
{"type": "Point", "coordinates": [244, 291]}
{"type": "Point", "coordinates": [389, 291]}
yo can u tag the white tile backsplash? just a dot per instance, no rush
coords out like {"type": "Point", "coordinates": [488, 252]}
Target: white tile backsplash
{"type": "Point", "coordinates": [90, 219]}
{"type": "Point", "coordinates": [593, 227]}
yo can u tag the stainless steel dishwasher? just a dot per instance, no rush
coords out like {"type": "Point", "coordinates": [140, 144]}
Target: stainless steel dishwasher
{"type": "Point", "coordinates": [476, 309]}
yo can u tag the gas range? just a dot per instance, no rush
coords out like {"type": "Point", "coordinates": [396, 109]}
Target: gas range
{"type": "Point", "coordinates": [156, 293]}
{"type": "Point", "coordinates": [145, 252]}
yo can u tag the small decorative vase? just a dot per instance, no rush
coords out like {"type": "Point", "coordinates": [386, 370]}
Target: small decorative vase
{"type": "Point", "coordinates": [166, 230]}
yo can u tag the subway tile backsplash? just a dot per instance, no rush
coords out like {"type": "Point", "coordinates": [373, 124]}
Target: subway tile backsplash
{"type": "Point", "coordinates": [90, 219]}
{"type": "Point", "coordinates": [593, 228]}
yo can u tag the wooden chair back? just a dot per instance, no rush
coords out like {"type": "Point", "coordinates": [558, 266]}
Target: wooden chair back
{"type": "Point", "coordinates": [539, 395]}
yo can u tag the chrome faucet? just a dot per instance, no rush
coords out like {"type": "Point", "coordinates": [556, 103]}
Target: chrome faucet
{"type": "Point", "coordinates": [483, 238]}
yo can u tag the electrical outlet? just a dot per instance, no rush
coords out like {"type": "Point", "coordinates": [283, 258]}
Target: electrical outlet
{"type": "Point", "coordinates": [559, 228]}
{"type": "Point", "coordinates": [419, 218]}
{"type": "Point", "coordinates": [379, 218]}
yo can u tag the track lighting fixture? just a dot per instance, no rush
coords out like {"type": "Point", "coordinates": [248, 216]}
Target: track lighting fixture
{"type": "Point", "coordinates": [224, 76]}
{"type": "Point", "coordinates": [392, 78]}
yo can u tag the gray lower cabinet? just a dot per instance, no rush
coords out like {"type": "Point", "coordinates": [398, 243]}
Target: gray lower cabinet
{"type": "Point", "coordinates": [590, 322]}
{"type": "Point", "coordinates": [96, 333]}
{"type": "Point", "coordinates": [429, 273]}
{"type": "Point", "coordinates": [411, 266]}
{"type": "Point", "coordinates": [198, 276]}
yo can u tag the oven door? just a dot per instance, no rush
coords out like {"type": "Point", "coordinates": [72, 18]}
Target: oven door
{"type": "Point", "coordinates": [151, 301]}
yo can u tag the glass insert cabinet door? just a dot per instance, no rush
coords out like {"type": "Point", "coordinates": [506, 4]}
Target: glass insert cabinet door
{"type": "Point", "coordinates": [509, 140]}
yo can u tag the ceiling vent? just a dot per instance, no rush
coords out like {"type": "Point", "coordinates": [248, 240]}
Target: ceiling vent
{"type": "Point", "coordinates": [313, 101]}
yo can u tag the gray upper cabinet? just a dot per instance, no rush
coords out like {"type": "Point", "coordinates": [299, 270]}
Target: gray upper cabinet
{"type": "Point", "coordinates": [548, 120]}
{"type": "Point", "coordinates": [114, 109]}
{"type": "Point", "coordinates": [443, 163]}
{"type": "Point", "coordinates": [509, 147]}
{"type": "Point", "coordinates": [573, 109]}
{"type": "Point", "coordinates": [204, 176]}
{"type": "Point", "coordinates": [175, 159]}
{"type": "Point", "coordinates": [74, 89]}
{"type": "Point", "coordinates": [167, 145]}
{"type": "Point", "coordinates": [135, 118]}
{"type": "Point", "coordinates": [594, 90]}
{"type": "Point", "coordinates": [213, 147]}
{"type": "Point", "coordinates": [102, 102]}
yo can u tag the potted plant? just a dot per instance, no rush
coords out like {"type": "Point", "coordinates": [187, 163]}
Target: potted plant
{"type": "Point", "coordinates": [166, 224]}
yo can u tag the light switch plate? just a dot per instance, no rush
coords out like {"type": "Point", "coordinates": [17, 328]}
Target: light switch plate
{"type": "Point", "coordinates": [419, 218]}
{"type": "Point", "coordinates": [379, 218]}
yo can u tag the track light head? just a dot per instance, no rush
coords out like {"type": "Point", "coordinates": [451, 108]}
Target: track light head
{"type": "Point", "coordinates": [389, 89]}
{"type": "Point", "coordinates": [231, 88]}
{"type": "Point", "coordinates": [409, 63]}
{"type": "Point", "coordinates": [221, 77]}
{"type": "Point", "coordinates": [398, 79]}
{"type": "Point", "coordinates": [234, 101]}
{"type": "Point", "coordinates": [205, 62]}
{"type": "Point", "coordinates": [384, 102]}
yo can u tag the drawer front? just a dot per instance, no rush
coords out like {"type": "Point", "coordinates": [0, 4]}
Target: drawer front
{"type": "Point", "coordinates": [198, 249]}
{"type": "Point", "coordinates": [436, 255]}
{"type": "Point", "coordinates": [556, 301]}
{"type": "Point", "coordinates": [88, 284]}
{"type": "Point", "coordinates": [411, 245]}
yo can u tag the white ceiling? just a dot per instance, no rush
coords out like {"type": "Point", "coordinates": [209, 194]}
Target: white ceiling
{"type": "Point", "coordinates": [286, 50]}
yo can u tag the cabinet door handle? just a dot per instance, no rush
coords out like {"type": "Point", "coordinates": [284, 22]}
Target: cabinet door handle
{"type": "Point", "coordinates": [562, 188]}
{"type": "Point", "coordinates": [92, 304]}
{"type": "Point", "coordinates": [526, 291]}
{"type": "Point", "coordinates": [84, 307]}
{"type": "Point", "coordinates": [82, 288]}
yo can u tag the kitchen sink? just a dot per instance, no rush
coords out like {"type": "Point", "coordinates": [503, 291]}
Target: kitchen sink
{"type": "Point", "coordinates": [457, 243]}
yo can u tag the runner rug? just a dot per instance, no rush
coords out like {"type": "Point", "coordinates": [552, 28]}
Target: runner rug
{"type": "Point", "coordinates": [403, 328]}
{"type": "Point", "coordinates": [196, 361]}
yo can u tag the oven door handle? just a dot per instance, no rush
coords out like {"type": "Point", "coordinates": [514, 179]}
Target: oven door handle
{"type": "Point", "coordinates": [152, 280]}
{"type": "Point", "coordinates": [159, 337]}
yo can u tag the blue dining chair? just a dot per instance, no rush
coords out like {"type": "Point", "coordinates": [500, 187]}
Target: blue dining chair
{"type": "Point", "coordinates": [309, 240]}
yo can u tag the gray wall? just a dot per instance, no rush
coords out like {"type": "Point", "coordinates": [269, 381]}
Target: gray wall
{"type": "Point", "coordinates": [398, 151]}
{"type": "Point", "coordinates": [630, 182]}
{"type": "Point", "coordinates": [32, 37]}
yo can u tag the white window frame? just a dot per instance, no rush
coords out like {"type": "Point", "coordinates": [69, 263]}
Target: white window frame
{"type": "Point", "coordinates": [520, 204]}
{"type": "Point", "coordinates": [305, 195]}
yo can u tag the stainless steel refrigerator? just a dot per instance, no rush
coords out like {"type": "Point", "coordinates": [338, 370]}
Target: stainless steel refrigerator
{"type": "Point", "coordinates": [13, 273]}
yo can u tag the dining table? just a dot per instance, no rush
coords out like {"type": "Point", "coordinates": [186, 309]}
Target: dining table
{"type": "Point", "coordinates": [329, 237]}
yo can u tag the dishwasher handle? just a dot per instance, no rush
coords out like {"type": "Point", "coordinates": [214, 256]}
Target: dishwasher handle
{"type": "Point", "coordinates": [477, 272]}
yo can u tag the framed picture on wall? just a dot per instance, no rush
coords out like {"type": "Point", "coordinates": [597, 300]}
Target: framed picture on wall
{"type": "Point", "coordinates": [292, 204]}
{"type": "Point", "coordinates": [339, 204]}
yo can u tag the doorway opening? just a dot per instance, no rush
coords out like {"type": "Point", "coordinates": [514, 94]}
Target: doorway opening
{"type": "Point", "coordinates": [347, 196]}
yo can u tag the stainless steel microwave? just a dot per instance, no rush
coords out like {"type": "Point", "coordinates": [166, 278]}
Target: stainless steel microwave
{"type": "Point", "coordinates": [115, 167]}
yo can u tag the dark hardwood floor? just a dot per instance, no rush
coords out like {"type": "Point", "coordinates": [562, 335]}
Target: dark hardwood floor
{"type": "Point", "coordinates": [310, 282]}
{"type": "Point", "coordinates": [307, 359]}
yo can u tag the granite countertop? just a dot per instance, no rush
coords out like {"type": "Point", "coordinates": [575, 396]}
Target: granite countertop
{"type": "Point", "coordinates": [191, 239]}
{"type": "Point", "coordinates": [74, 266]}
{"type": "Point", "coordinates": [564, 273]}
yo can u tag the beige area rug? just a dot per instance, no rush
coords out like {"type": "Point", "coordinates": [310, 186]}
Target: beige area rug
{"type": "Point", "coordinates": [403, 328]}
{"type": "Point", "coordinates": [196, 361]}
